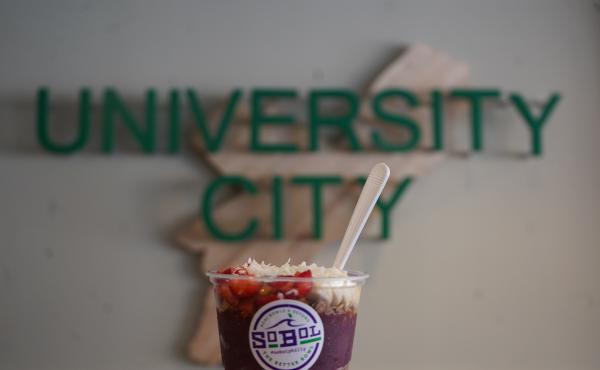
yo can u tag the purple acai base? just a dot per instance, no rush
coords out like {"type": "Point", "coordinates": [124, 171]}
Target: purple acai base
{"type": "Point", "coordinates": [235, 347]}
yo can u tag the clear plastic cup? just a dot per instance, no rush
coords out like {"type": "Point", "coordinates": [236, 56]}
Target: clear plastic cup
{"type": "Point", "coordinates": [286, 323]}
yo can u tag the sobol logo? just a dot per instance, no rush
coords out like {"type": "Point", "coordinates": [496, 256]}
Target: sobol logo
{"type": "Point", "coordinates": [286, 335]}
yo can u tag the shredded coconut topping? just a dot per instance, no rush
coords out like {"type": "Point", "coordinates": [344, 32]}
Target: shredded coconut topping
{"type": "Point", "coordinates": [265, 269]}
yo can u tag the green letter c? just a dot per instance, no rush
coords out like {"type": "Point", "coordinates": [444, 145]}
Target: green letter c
{"type": "Point", "coordinates": [208, 204]}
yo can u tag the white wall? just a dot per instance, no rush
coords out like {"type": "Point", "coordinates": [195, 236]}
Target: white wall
{"type": "Point", "coordinates": [495, 263]}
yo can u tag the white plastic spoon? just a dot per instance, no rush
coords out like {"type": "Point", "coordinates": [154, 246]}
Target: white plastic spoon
{"type": "Point", "coordinates": [368, 197]}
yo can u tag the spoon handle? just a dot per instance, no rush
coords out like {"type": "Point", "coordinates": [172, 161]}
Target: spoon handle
{"type": "Point", "coordinates": [368, 197]}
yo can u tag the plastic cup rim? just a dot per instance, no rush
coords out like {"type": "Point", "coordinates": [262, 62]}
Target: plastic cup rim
{"type": "Point", "coordinates": [353, 276]}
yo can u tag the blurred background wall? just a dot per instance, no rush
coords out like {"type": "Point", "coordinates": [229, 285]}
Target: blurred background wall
{"type": "Point", "coordinates": [494, 263]}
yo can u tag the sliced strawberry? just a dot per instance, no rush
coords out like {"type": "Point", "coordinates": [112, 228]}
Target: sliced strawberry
{"type": "Point", "coordinates": [282, 286]}
{"type": "Point", "coordinates": [233, 271]}
{"type": "Point", "coordinates": [240, 271]}
{"type": "Point", "coordinates": [263, 300]}
{"type": "Point", "coordinates": [225, 293]}
{"type": "Point", "coordinates": [304, 274]}
{"type": "Point", "coordinates": [303, 288]}
{"type": "Point", "coordinates": [265, 289]}
{"type": "Point", "coordinates": [244, 288]}
{"type": "Point", "coordinates": [226, 271]}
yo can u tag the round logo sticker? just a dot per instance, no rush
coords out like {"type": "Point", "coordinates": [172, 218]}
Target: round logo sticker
{"type": "Point", "coordinates": [286, 335]}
